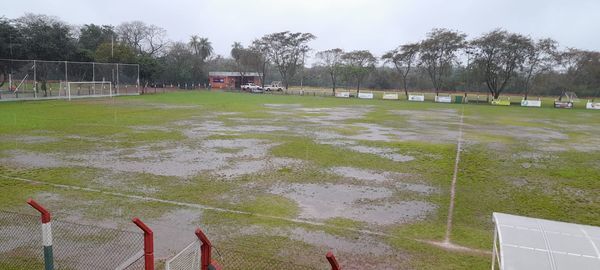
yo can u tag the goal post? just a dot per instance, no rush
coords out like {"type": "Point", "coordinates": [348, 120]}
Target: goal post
{"type": "Point", "coordinates": [89, 89]}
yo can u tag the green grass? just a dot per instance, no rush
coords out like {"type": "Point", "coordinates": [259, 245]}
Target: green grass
{"type": "Point", "coordinates": [493, 173]}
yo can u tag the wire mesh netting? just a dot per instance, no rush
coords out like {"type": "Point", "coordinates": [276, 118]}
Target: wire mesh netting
{"type": "Point", "coordinates": [238, 260]}
{"type": "Point", "coordinates": [188, 258]}
{"type": "Point", "coordinates": [75, 246]}
{"type": "Point", "coordinates": [38, 79]}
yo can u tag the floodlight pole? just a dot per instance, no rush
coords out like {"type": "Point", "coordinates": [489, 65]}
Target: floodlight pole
{"type": "Point", "coordinates": [34, 79]}
{"type": "Point", "coordinates": [67, 80]}
{"type": "Point", "coordinates": [117, 79]}
{"type": "Point", "coordinates": [94, 77]}
{"type": "Point", "coordinates": [46, 234]}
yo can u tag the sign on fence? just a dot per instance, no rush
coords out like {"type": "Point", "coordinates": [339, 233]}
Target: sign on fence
{"type": "Point", "coordinates": [418, 97]}
{"type": "Point", "coordinates": [443, 99]}
{"type": "Point", "coordinates": [342, 94]}
{"type": "Point", "coordinates": [531, 103]}
{"type": "Point", "coordinates": [365, 95]}
{"type": "Point", "coordinates": [592, 105]}
{"type": "Point", "coordinates": [391, 96]}
{"type": "Point", "coordinates": [563, 105]}
{"type": "Point", "coordinates": [500, 102]}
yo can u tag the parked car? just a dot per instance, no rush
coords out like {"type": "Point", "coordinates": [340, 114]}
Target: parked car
{"type": "Point", "coordinates": [274, 86]}
{"type": "Point", "coordinates": [251, 87]}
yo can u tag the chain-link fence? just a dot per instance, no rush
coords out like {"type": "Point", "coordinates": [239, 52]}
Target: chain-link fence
{"type": "Point", "coordinates": [188, 258]}
{"type": "Point", "coordinates": [39, 79]}
{"type": "Point", "coordinates": [74, 246]}
{"type": "Point", "coordinates": [232, 259]}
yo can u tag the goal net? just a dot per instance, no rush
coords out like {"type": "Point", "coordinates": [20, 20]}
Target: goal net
{"type": "Point", "coordinates": [87, 89]}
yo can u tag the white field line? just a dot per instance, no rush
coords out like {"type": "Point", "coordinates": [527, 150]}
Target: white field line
{"type": "Point", "coordinates": [454, 176]}
{"type": "Point", "coordinates": [198, 206]}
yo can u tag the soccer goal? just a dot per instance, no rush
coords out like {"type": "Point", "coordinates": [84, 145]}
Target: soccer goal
{"type": "Point", "coordinates": [88, 89]}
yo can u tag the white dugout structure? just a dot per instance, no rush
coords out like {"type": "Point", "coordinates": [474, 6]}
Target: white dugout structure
{"type": "Point", "coordinates": [523, 243]}
{"type": "Point", "coordinates": [40, 79]}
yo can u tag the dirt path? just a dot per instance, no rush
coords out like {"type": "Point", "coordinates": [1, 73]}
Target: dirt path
{"type": "Point", "coordinates": [454, 176]}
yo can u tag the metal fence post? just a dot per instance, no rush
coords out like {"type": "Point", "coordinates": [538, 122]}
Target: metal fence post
{"type": "Point", "coordinates": [148, 244]}
{"type": "Point", "coordinates": [46, 234]}
{"type": "Point", "coordinates": [332, 261]}
{"type": "Point", "coordinates": [205, 249]}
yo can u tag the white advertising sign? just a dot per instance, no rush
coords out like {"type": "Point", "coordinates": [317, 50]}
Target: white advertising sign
{"type": "Point", "coordinates": [443, 99]}
{"type": "Point", "coordinates": [531, 103]}
{"type": "Point", "coordinates": [342, 94]}
{"type": "Point", "coordinates": [592, 105]}
{"type": "Point", "coordinates": [365, 95]}
{"type": "Point", "coordinates": [390, 96]}
{"type": "Point", "coordinates": [416, 97]}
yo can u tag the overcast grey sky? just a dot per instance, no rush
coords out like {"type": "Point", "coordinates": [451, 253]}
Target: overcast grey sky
{"type": "Point", "coordinates": [376, 25]}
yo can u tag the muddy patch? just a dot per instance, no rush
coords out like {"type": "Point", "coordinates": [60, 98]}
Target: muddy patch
{"type": "Point", "coordinates": [361, 203]}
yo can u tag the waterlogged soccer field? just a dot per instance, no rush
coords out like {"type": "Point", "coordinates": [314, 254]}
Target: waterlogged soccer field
{"type": "Point", "coordinates": [290, 177]}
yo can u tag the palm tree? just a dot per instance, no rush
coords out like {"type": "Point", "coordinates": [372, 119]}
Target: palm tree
{"type": "Point", "coordinates": [201, 46]}
{"type": "Point", "coordinates": [194, 40]}
{"type": "Point", "coordinates": [206, 48]}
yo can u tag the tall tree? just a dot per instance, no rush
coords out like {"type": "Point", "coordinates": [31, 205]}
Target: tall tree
{"type": "Point", "coordinates": [438, 53]}
{"type": "Point", "coordinates": [239, 55]}
{"type": "Point", "coordinates": [178, 63]}
{"type": "Point", "coordinates": [286, 50]}
{"type": "Point", "coordinates": [581, 71]}
{"type": "Point", "coordinates": [9, 47]}
{"type": "Point", "coordinates": [149, 40]}
{"type": "Point", "coordinates": [499, 54]}
{"type": "Point", "coordinates": [331, 60]}
{"type": "Point", "coordinates": [45, 37]}
{"type": "Point", "coordinates": [403, 58]}
{"type": "Point", "coordinates": [358, 65]}
{"type": "Point", "coordinates": [201, 46]}
{"type": "Point", "coordinates": [92, 35]}
{"type": "Point", "coordinates": [114, 53]}
{"type": "Point", "coordinates": [261, 60]}
{"type": "Point", "coordinates": [133, 34]}
{"type": "Point", "coordinates": [541, 56]}
{"type": "Point", "coordinates": [202, 49]}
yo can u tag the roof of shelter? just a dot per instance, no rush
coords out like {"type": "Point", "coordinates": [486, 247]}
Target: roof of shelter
{"type": "Point", "coordinates": [532, 243]}
{"type": "Point", "coordinates": [232, 74]}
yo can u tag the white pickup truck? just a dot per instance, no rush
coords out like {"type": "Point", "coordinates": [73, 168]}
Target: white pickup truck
{"type": "Point", "coordinates": [274, 86]}
{"type": "Point", "coordinates": [252, 88]}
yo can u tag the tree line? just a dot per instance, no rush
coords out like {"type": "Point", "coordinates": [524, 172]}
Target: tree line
{"type": "Point", "coordinates": [445, 60]}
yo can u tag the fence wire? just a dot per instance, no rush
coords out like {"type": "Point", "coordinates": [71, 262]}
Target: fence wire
{"type": "Point", "coordinates": [20, 241]}
{"type": "Point", "coordinates": [75, 246]}
{"type": "Point", "coordinates": [188, 258]}
{"type": "Point", "coordinates": [39, 79]}
{"type": "Point", "coordinates": [232, 259]}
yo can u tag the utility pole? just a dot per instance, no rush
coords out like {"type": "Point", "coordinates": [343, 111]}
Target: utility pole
{"type": "Point", "coordinates": [302, 76]}
{"type": "Point", "coordinates": [112, 47]}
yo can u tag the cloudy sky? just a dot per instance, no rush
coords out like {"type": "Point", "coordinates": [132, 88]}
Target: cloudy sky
{"type": "Point", "coordinates": [377, 25]}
